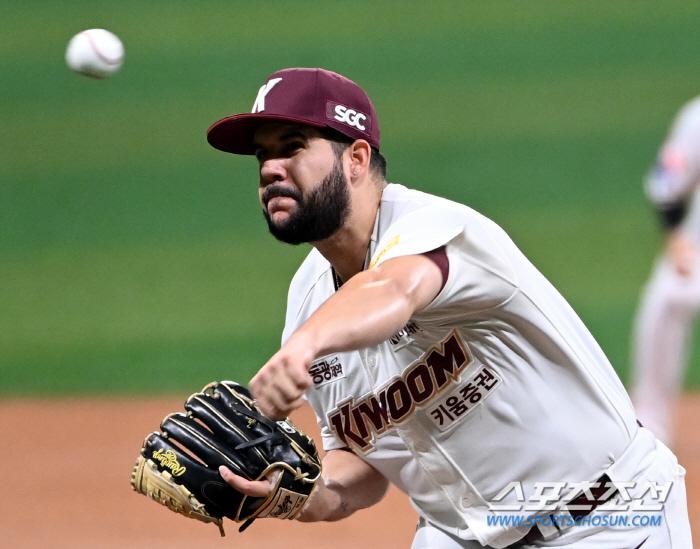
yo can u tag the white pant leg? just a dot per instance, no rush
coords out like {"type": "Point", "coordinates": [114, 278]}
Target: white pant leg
{"type": "Point", "coordinates": [430, 537]}
{"type": "Point", "coordinates": [667, 528]}
{"type": "Point", "coordinates": [660, 345]}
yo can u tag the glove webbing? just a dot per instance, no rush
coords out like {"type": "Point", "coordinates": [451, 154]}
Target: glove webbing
{"type": "Point", "coordinates": [273, 434]}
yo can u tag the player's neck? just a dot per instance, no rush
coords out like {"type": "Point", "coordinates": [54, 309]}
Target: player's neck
{"type": "Point", "coordinates": [346, 249]}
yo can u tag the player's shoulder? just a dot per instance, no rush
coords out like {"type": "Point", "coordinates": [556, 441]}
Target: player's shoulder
{"type": "Point", "coordinates": [311, 278]}
{"type": "Point", "coordinates": [691, 105]}
{"type": "Point", "coordinates": [688, 115]}
{"type": "Point", "coordinates": [423, 211]}
{"type": "Point", "coordinates": [413, 222]}
{"type": "Point", "coordinates": [399, 201]}
{"type": "Point", "coordinates": [400, 195]}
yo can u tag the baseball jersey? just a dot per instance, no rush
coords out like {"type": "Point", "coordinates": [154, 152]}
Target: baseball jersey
{"type": "Point", "coordinates": [676, 176]}
{"type": "Point", "coordinates": [497, 380]}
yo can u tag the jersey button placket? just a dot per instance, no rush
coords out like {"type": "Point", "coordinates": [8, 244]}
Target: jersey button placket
{"type": "Point", "coordinates": [422, 446]}
{"type": "Point", "coordinates": [369, 362]}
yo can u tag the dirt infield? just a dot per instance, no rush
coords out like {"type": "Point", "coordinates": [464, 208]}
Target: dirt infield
{"type": "Point", "coordinates": [67, 466]}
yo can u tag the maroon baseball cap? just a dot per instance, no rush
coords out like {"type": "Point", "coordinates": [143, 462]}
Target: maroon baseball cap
{"type": "Point", "coordinates": [313, 97]}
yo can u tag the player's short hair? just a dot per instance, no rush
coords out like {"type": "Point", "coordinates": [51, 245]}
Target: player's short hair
{"type": "Point", "coordinates": [340, 142]}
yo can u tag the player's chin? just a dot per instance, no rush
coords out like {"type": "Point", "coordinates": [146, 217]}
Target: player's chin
{"type": "Point", "coordinates": [280, 216]}
{"type": "Point", "coordinates": [281, 204]}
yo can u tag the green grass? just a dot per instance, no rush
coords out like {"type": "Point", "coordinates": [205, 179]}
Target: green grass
{"type": "Point", "coordinates": [133, 256]}
{"type": "Point", "coordinates": [133, 319]}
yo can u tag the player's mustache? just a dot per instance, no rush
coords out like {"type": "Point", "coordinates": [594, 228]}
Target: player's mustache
{"type": "Point", "coordinates": [280, 190]}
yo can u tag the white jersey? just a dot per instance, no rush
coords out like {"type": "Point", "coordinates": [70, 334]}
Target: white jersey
{"type": "Point", "coordinates": [676, 176]}
{"type": "Point", "coordinates": [497, 380]}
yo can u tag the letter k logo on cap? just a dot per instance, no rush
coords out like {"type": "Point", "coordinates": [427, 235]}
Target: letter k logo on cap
{"type": "Point", "coordinates": [259, 105]}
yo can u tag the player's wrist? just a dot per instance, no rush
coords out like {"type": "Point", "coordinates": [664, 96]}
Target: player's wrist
{"type": "Point", "coordinates": [306, 341]}
{"type": "Point", "coordinates": [317, 507]}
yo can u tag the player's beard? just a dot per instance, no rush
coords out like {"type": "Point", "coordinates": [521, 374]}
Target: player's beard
{"type": "Point", "coordinates": [318, 215]}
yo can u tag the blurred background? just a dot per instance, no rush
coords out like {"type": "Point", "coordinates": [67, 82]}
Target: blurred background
{"type": "Point", "coordinates": [133, 256]}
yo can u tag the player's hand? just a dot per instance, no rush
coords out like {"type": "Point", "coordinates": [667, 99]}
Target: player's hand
{"type": "Point", "coordinates": [682, 253]}
{"type": "Point", "coordinates": [280, 384]}
{"type": "Point", "coordinates": [253, 488]}
{"type": "Point", "coordinates": [316, 508]}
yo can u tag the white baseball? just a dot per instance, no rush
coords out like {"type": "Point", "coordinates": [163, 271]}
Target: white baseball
{"type": "Point", "coordinates": [96, 53]}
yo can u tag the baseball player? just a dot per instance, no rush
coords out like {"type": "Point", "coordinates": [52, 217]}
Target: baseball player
{"type": "Point", "coordinates": [671, 298]}
{"type": "Point", "coordinates": [435, 355]}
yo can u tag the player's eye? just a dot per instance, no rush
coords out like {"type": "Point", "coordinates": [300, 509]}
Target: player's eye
{"type": "Point", "coordinates": [293, 146]}
{"type": "Point", "coordinates": [260, 154]}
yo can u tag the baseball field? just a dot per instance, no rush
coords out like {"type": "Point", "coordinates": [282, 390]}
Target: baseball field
{"type": "Point", "coordinates": [135, 265]}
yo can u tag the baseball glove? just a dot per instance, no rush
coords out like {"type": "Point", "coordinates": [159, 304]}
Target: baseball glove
{"type": "Point", "coordinates": [178, 467]}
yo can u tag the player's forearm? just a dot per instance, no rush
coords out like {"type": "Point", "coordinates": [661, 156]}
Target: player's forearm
{"type": "Point", "coordinates": [362, 313]}
{"type": "Point", "coordinates": [348, 485]}
{"type": "Point", "coordinates": [333, 501]}
{"type": "Point", "coordinates": [369, 309]}
{"type": "Point", "coordinates": [372, 306]}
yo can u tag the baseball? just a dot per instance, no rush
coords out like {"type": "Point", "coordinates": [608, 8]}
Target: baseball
{"type": "Point", "coordinates": [96, 53]}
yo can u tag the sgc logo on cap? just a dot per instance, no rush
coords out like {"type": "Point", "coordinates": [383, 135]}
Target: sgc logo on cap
{"type": "Point", "coordinates": [346, 115]}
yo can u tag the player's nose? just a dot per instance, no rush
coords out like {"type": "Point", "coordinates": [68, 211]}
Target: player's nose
{"type": "Point", "coordinates": [272, 170]}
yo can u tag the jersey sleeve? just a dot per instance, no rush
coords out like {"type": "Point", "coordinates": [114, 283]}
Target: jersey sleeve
{"type": "Point", "coordinates": [481, 275]}
{"type": "Point", "coordinates": [672, 179]}
{"type": "Point", "coordinates": [677, 170]}
{"type": "Point", "coordinates": [421, 231]}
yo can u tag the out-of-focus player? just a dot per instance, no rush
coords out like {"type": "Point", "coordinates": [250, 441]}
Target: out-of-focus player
{"type": "Point", "coordinates": [671, 298]}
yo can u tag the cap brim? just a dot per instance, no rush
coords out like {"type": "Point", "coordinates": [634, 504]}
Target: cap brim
{"type": "Point", "coordinates": [234, 134]}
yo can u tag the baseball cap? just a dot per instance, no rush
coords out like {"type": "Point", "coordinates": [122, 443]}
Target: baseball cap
{"type": "Point", "coordinates": [313, 97]}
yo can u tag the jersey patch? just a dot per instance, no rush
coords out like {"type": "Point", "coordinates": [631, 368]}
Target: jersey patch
{"type": "Point", "coordinates": [393, 242]}
{"type": "Point", "coordinates": [403, 336]}
{"type": "Point", "coordinates": [357, 423]}
{"type": "Point", "coordinates": [326, 370]}
{"type": "Point", "coordinates": [673, 160]}
{"type": "Point", "coordinates": [454, 406]}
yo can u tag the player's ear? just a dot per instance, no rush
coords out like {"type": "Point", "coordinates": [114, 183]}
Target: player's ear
{"type": "Point", "coordinates": [360, 153]}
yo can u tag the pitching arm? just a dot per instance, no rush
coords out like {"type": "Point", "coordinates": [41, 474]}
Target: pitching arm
{"type": "Point", "coordinates": [371, 307]}
{"type": "Point", "coordinates": [348, 484]}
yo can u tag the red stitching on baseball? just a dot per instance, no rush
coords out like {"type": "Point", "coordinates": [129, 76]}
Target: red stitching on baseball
{"type": "Point", "coordinates": [100, 54]}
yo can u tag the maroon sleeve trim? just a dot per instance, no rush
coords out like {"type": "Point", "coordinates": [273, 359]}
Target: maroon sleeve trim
{"type": "Point", "coordinates": [439, 257]}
